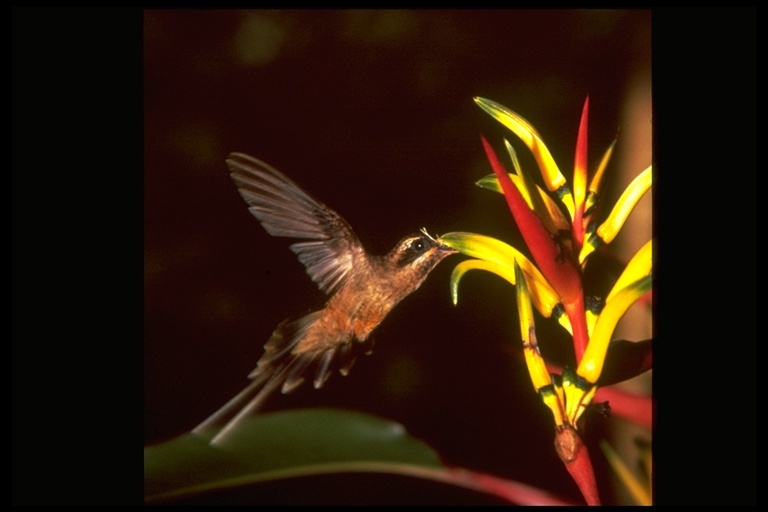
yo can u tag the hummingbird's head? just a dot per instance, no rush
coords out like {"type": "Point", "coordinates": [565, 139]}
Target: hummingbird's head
{"type": "Point", "coordinates": [414, 257]}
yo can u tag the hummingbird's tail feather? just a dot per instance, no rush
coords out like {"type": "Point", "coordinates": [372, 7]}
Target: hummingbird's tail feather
{"type": "Point", "coordinates": [277, 368]}
{"type": "Point", "coordinates": [323, 366]}
{"type": "Point", "coordinates": [280, 368]}
{"type": "Point", "coordinates": [283, 341]}
{"type": "Point", "coordinates": [347, 358]}
{"type": "Point", "coordinates": [254, 393]}
{"type": "Point", "coordinates": [252, 406]}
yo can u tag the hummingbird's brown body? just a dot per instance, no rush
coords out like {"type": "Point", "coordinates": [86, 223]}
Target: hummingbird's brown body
{"type": "Point", "coordinates": [370, 292]}
{"type": "Point", "coordinates": [362, 288]}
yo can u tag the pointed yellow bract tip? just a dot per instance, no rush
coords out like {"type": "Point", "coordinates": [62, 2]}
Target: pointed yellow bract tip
{"type": "Point", "coordinates": [624, 206]}
{"type": "Point", "coordinates": [639, 266]}
{"type": "Point", "coordinates": [597, 180]}
{"type": "Point", "coordinates": [553, 178]}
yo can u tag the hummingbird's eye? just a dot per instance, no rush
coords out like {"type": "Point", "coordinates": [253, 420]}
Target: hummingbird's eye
{"type": "Point", "coordinates": [410, 250]}
{"type": "Point", "coordinates": [418, 245]}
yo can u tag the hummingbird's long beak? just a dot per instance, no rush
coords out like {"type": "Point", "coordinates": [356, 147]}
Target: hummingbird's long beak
{"type": "Point", "coordinates": [440, 245]}
{"type": "Point", "coordinates": [444, 248]}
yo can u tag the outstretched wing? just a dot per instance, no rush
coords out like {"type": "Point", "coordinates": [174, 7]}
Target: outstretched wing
{"type": "Point", "coordinates": [331, 248]}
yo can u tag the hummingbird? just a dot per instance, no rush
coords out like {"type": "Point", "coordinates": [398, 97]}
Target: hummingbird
{"type": "Point", "coordinates": [362, 289]}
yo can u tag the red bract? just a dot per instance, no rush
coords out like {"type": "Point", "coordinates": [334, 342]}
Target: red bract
{"type": "Point", "coordinates": [558, 270]}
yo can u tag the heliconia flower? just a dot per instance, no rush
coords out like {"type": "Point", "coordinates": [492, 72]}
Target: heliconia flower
{"type": "Point", "coordinates": [559, 243]}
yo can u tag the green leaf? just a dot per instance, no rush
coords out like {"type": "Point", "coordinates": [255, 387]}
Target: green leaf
{"type": "Point", "coordinates": [281, 445]}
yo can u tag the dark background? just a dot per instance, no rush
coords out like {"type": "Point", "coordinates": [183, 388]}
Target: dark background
{"type": "Point", "coordinates": [78, 244]}
{"type": "Point", "coordinates": [372, 113]}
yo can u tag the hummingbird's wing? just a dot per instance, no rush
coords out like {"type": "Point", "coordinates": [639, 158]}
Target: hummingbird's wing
{"type": "Point", "coordinates": [329, 249]}
{"type": "Point", "coordinates": [284, 209]}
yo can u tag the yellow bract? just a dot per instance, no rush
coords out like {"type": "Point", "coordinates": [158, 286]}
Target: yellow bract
{"type": "Point", "coordinates": [497, 257]}
{"type": "Point", "coordinates": [639, 266]}
{"type": "Point", "coordinates": [597, 179]}
{"type": "Point", "coordinates": [543, 297]}
{"type": "Point", "coordinates": [624, 206]}
{"type": "Point", "coordinates": [576, 401]}
{"type": "Point", "coordinates": [553, 178]}
{"type": "Point", "coordinates": [536, 367]}
{"type": "Point", "coordinates": [591, 364]}
{"type": "Point", "coordinates": [621, 210]}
